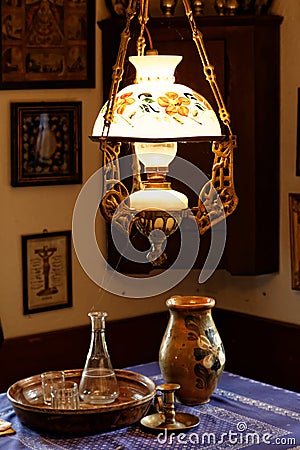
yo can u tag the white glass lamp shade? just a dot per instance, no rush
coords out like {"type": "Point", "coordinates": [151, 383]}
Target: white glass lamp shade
{"type": "Point", "coordinates": [158, 199]}
{"type": "Point", "coordinates": [155, 108]}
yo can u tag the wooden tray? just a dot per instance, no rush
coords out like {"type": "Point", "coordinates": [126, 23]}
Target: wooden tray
{"type": "Point", "coordinates": [136, 394]}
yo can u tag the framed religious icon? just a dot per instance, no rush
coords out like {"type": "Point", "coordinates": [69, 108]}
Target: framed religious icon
{"type": "Point", "coordinates": [47, 44]}
{"type": "Point", "coordinates": [294, 209]}
{"type": "Point", "coordinates": [47, 271]}
{"type": "Point", "coordinates": [46, 139]}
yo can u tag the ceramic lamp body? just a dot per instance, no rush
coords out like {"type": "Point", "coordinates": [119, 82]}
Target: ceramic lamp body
{"type": "Point", "coordinates": [191, 352]}
{"type": "Point", "coordinates": [165, 199]}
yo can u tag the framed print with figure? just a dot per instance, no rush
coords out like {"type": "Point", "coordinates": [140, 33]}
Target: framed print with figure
{"type": "Point", "coordinates": [47, 44]}
{"type": "Point", "coordinates": [47, 271]}
{"type": "Point", "coordinates": [46, 139]}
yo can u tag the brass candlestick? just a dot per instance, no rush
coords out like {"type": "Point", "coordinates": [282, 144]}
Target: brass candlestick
{"type": "Point", "coordinates": [166, 417]}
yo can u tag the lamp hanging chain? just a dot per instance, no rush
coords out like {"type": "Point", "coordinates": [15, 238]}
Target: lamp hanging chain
{"type": "Point", "coordinates": [143, 19]}
{"type": "Point", "coordinates": [208, 212]}
{"type": "Point", "coordinates": [208, 69]}
{"type": "Point", "coordinates": [118, 68]}
{"type": "Point", "coordinates": [114, 190]}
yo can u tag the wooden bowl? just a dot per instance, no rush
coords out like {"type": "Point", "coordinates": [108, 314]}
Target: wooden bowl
{"type": "Point", "coordinates": [136, 394]}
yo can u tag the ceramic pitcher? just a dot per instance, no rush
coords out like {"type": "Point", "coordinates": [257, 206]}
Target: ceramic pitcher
{"type": "Point", "coordinates": [191, 352]}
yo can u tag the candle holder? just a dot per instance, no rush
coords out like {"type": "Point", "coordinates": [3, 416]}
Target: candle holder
{"type": "Point", "coordinates": [166, 417]}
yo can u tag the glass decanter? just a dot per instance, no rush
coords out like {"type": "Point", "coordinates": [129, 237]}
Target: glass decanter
{"type": "Point", "coordinates": [98, 384]}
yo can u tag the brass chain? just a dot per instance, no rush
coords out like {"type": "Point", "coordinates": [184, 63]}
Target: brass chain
{"type": "Point", "coordinates": [143, 19]}
{"type": "Point", "coordinates": [118, 68]}
{"type": "Point", "coordinates": [208, 69]}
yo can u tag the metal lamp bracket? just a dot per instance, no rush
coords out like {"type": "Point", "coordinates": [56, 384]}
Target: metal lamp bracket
{"type": "Point", "coordinates": [222, 181]}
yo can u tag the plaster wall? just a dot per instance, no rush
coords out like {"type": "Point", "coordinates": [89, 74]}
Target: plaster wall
{"type": "Point", "coordinates": [29, 210]}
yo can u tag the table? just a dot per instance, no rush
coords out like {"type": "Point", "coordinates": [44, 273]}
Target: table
{"type": "Point", "coordinates": [242, 414]}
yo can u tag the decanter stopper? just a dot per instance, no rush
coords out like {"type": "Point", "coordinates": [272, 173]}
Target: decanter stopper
{"type": "Point", "coordinates": [98, 384]}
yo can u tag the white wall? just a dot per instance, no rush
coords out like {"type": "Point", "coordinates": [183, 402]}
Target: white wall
{"type": "Point", "coordinates": [31, 209]}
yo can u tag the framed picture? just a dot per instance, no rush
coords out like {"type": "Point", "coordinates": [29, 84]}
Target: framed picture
{"type": "Point", "coordinates": [294, 210]}
{"type": "Point", "coordinates": [47, 271]}
{"type": "Point", "coordinates": [47, 44]}
{"type": "Point", "coordinates": [46, 143]}
{"type": "Point", "coordinates": [298, 137]}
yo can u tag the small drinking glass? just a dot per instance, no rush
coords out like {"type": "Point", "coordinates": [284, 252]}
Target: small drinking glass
{"type": "Point", "coordinates": [65, 395]}
{"type": "Point", "coordinates": [48, 380]}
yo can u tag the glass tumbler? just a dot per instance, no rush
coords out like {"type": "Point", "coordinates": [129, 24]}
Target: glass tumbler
{"type": "Point", "coordinates": [65, 395]}
{"type": "Point", "coordinates": [49, 379]}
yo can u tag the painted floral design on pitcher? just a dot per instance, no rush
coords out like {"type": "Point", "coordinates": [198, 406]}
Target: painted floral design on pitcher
{"type": "Point", "coordinates": [209, 353]}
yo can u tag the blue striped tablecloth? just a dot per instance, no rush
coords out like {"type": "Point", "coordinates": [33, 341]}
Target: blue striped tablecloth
{"type": "Point", "coordinates": [242, 414]}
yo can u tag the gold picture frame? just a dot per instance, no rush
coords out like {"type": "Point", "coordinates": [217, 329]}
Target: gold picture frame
{"type": "Point", "coordinates": [47, 44]}
{"type": "Point", "coordinates": [294, 212]}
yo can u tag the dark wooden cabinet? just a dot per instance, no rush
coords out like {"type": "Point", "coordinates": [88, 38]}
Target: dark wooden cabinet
{"type": "Point", "coordinates": [245, 53]}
